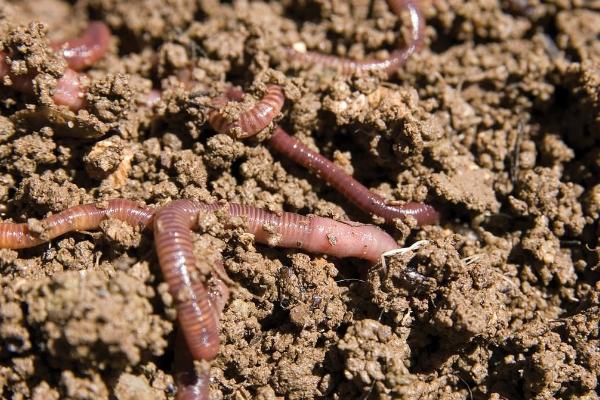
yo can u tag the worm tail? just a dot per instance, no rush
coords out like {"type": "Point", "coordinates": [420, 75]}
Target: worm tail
{"type": "Point", "coordinates": [349, 187]}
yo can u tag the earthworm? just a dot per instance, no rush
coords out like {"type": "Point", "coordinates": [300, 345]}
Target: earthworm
{"type": "Point", "coordinates": [175, 250]}
{"type": "Point", "coordinates": [388, 65]}
{"type": "Point", "coordinates": [193, 384]}
{"type": "Point", "coordinates": [250, 122]}
{"type": "Point", "coordinates": [197, 307]}
{"type": "Point", "coordinates": [349, 187]}
{"type": "Point", "coordinates": [311, 233]}
{"type": "Point", "coordinates": [83, 51]}
{"type": "Point", "coordinates": [69, 90]}
{"type": "Point", "coordinates": [79, 53]}
{"type": "Point", "coordinates": [296, 151]}
{"type": "Point", "coordinates": [77, 218]}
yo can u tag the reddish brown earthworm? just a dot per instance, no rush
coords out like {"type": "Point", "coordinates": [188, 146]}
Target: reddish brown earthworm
{"type": "Point", "coordinates": [83, 51]}
{"type": "Point", "coordinates": [311, 233]}
{"type": "Point", "coordinates": [174, 246]}
{"type": "Point", "coordinates": [69, 90]}
{"type": "Point", "coordinates": [250, 122]}
{"type": "Point", "coordinates": [79, 53]}
{"type": "Point", "coordinates": [175, 249]}
{"type": "Point", "coordinates": [78, 218]}
{"type": "Point", "coordinates": [349, 187]}
{"type": "Point", "coordinates": [296, 151]}
{"type": "Point", "coordinates": [395, 59]}
{"type": "Point", "coordinates": [198, 308]}
{"type": "Point", "coordinates": [193, 384]}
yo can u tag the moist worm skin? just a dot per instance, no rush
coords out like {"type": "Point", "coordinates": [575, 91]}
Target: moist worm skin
{"type": "Point", "coordinates": [191, 384]}
{"type": "Point", "coordinates": [173, 226]}
{"type": "Point", "coordinates": [78, 218]}
{"type": "Point", "coordinates": [296, 151]}
{"type": "Point", "coordinates": [250, 122]}
{"type": "Point", "coordinates": [349, 187]}
{"type": "Point", "coordinates": [83, 51]}
{"type": "Point", "coordinates": [79, 53]}
{"type": "Point", "coordinates": [390, 64]}
{"type": "Point", "coordinates": [311, 233]}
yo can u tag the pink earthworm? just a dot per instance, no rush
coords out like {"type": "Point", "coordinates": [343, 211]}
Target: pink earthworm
{"type": "Point", "coordinates": [296, 151]}
{"type": "Point", "coordinates": [193, 384]}
{"type": "Point", "coordinates": [69, 90]}
{"type": "Point", "coordinates": [79, 53]}
{"type": "Point", "coordinates": [346, 185]}
{"type": "Point", "coordinates": [311, 233]}
{"type": "Point", "coordinates": [78, 218]}
{"type": "Point", "coordinates": [173, 226]}
{"type": "Point", "coordinates": [250, 122]}
{"type": "Point", "coordinates": [83, 51]}
{"type": "Point", "coordinates": [388, 65]}
{"type": "Point", "coordinates": [197, 307]}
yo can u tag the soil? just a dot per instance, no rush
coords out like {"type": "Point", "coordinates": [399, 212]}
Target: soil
{"type": "Point", "coordinates": [496, 122]}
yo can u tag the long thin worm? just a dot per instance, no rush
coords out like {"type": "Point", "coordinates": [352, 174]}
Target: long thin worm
{"type": "Point", "coordinates": [296, 151]}
{"type": "Point", "coordinates": [78, 218]}
{"type": "Point", "coordinates": [349, 187]}
{"type": "Point", "coordinates": [250, 122]}
{"type": "Point", "coordinates": [396, 57]}
{"type": "Point", "coordinates": [79, 53]}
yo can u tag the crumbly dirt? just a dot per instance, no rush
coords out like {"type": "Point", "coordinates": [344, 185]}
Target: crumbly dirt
{"type": "Point", "coordinates": [496, 122]}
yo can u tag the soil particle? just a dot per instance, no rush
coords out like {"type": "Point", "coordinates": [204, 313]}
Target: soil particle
{"type": "Point", "coordinates": [375, 358]}
{"type": "Point", "coordinates": [50, 192]}
{"type": "Point", "coordinates": [77, 323]}
{"type": "Point", "coordinates": [540, 192]}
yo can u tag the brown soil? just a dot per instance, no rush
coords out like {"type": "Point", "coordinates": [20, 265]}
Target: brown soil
{"type": "Point", "coordinates": [496, 122]}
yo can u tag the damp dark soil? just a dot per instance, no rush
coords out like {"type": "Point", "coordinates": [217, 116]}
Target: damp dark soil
{"type": "Point", "coordinates": [496, 122]}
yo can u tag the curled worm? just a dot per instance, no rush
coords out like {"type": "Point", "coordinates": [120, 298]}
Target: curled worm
{"type": "Point", "coordinates": [296, 151]}
{"type": "Point", "coordinates": [250, 122]}
{"type": "Point", "coordinates": [191, 384]}
{"type": "Point", "coordinates": [395, 59]}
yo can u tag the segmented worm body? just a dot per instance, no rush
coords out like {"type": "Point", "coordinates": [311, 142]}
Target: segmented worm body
{"type": "Point", "coordinates": [395, 59]}
{"type": "Point", "coordinates": [198, 308]}
{"type": "Point", "coordinates": [250, 122]}
{"type": "Point", "coordinates": [296, 151]}
{"type": "Point", "coordinates": [78, 218]}
{"type": "Point", "coordinates": [193, 384]}
{"type": "Point", "coordinates": [79, 53]}
{"type": "Point", "coordinates": [346, 185]}
{"type": "Point", "coordinates": [173, 226]}
{"type": "Point", "coordinates": [314, 234]}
